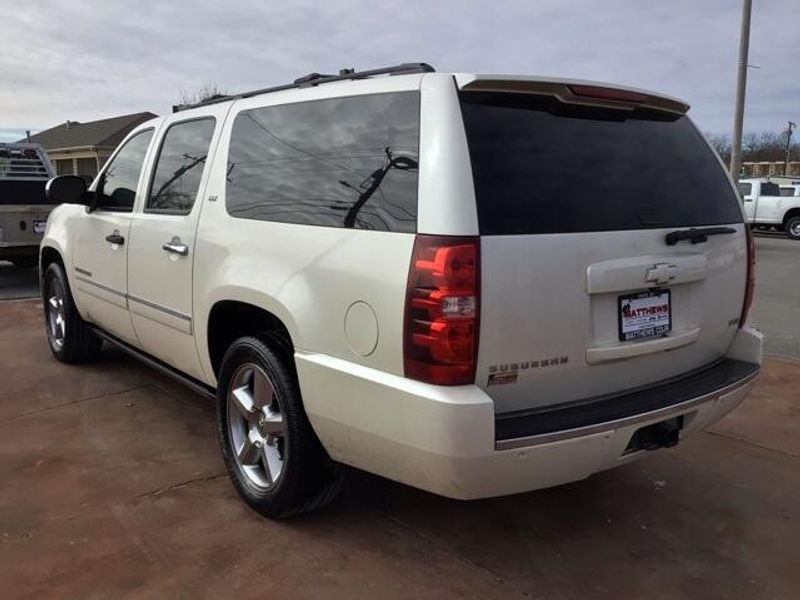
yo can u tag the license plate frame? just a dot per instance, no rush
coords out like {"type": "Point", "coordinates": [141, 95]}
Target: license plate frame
{"type": "Point", "coordinates": [654, 323]}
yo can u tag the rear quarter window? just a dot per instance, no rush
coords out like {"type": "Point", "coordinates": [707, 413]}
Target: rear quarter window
{"type": "Point", "coordinates": [540, 166]}
{"type": "Point", "coordinates": [342, 162]}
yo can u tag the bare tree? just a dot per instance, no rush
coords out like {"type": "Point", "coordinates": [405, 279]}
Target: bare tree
{"type": "Point", "coordinates": [207, 92]}
{"type": "Point", "coordinates": [750, 142]}
{"type": "Point", "coordinates": [765, 146]}
{"type": "Point", "coordinates": [721, 143]}
{"type": "Point", "coordinates": [771, 146]}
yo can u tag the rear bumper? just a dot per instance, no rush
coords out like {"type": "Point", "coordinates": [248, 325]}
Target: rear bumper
{"type": "Point", "coordinates": [659, 402]}
{"type": "Point", "coordinates": [445, 439]}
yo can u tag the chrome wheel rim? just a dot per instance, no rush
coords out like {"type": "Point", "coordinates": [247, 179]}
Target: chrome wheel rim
{"type": "Point", "coordinates": [795, 229]}
{"type": "Point", "coordinates": [55, 315]}
{"type": "Point", "coordinates": [256, 427]}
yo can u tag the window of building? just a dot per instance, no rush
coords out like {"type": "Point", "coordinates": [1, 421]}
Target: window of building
{"type": "Point", "coordinates": [64, 166]}
{"type": "Point", "coordinates": [87, 167]}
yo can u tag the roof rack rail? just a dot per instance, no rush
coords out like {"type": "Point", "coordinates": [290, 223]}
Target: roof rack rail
{"type": "Point", "coordinates": [314, 79]}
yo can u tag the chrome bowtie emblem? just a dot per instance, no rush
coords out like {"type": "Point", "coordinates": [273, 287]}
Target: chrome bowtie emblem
{"type": "Point", "coordinates": [661, 273]}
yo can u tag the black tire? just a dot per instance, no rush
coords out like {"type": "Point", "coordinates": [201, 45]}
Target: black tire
{"type": "Point", "coordinates": [308, 479]}
{"type": "Point", "coordinates": [77, 342]}
{"type": "Point", "coordinates": [25, 262]}
{"type": "Point", "coordinates": [793, 228]}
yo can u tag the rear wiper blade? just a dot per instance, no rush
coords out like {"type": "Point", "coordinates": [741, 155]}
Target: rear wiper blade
{"type": "Point", "coordinates": [696, 235]}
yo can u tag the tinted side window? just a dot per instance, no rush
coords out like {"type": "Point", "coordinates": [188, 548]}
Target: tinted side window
{"type": "Point", "coordinates": [342, 162]}
{"type": "Point", "coordinates": [541, 166]}
{"type": "Point", "coordinates": [117, 189]}
{"type": "Point", "coordinates": [745, 189]}
{"type": "Point", "coordinates": [787, 191]}
{"type": "Point", "coordinates": [770, 189]}
{"type": "Point", "coordinates": [179, 166]}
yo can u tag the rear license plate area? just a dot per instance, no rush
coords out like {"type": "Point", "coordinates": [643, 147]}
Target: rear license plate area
{"type": "Point", "coordinates": [644, 315]}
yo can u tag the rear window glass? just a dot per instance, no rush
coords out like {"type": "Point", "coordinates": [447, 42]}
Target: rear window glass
{"type": "Point", "coordinates": [544, 167]}
{"type": "Point", "coordinates": [343, 162]}
{"type": "Point", "coordinates": [745, 189]}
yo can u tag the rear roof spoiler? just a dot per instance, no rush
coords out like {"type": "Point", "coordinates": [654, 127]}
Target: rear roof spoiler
{"type": "Point", "coordinates": [573, 91]}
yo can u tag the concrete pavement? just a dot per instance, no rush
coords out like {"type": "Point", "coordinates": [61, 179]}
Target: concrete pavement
{"type": "Point", "coordinates": [776, 309]}
{"type": "Point", "coordinates": [111, 486]}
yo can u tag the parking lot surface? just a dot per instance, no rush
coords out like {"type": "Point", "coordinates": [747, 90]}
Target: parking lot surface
{"type": "Point", "coordinates": [776, 309]}
{"type": "Point", "coordinates": [112, 486]}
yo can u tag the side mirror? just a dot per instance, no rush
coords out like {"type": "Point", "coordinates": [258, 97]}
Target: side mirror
{"type": "Point", "coordinates": [67, 189]}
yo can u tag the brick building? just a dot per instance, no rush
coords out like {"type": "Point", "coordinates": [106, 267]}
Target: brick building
{"type": "Point", "coordinates": [765, 169]}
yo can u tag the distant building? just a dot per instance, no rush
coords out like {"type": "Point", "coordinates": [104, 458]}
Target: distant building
{"type": "Point", "coordinates": [766, 168]}
{"type": "Point", "coordinates": [82, 148]}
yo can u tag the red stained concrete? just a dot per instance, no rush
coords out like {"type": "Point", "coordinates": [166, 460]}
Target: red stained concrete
{"type": "Point", "coordinates": [111, 486]}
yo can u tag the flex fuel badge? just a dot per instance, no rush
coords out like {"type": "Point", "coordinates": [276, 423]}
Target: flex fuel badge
{"type": "Point", "coordinates": [501, 378]}
{"type": "Point", "coordinates": [508, 373]}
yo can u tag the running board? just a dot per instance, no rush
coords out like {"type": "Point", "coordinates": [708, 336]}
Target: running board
{"type": "Point", "coordinates": [190, 382]}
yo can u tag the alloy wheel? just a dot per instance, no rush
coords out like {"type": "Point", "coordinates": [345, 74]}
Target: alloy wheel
{"type": "Point", "coordinates": [55, 314]}
{"type": "Point", "coordinates": [256, 427]}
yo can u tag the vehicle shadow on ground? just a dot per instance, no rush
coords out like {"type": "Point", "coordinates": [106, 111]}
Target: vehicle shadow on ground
{"type": "Point", "coordinates": [636, 531]}
{"type": "Point", "coordinates": [18, 283]}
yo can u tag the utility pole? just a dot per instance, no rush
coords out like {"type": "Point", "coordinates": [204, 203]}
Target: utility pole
{"type": "Point", "coordinates": [741, 86]}
{"type": "Point", "coordinates": [788, 146]}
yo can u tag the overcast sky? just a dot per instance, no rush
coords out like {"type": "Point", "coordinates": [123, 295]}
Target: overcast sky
{"type": "Point", "coordinates": [83, 60]}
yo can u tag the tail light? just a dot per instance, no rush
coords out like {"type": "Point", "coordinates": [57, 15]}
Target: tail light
{"type": "Point", "coordinates": [442, 310]}
{"type": "Point", "coordinates": [751, 276]}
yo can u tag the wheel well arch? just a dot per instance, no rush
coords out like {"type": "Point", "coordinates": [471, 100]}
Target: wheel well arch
{"type": "Point", "coordinates": [229, 320]}
{"type": "Point", "coordinates": [792, 212]}
{"type": "Point", "coordinates": [47, 257]}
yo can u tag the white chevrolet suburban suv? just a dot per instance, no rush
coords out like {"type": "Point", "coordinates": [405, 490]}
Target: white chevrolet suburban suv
{"type": "Point", "coordinates": [476, 285]}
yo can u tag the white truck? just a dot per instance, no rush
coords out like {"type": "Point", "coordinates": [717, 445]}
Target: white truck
{"type": "Point", "coordinates": [24, 207]}
{"type": "Point", "coordinates": [768, 204]}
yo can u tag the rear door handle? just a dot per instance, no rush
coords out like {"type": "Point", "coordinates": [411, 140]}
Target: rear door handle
{"type": "Point", "coordinates": [115, 238]}
{"type": "Point", "coordinates": [175, 246]}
